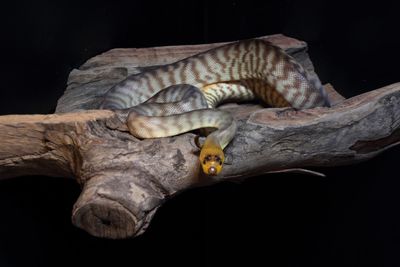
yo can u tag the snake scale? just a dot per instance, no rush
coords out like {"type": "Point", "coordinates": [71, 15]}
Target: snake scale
{"type": "Point", "coordinates": [183, 96]}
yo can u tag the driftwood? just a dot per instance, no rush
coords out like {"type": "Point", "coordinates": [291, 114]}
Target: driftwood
{"type": "Point", "coordinates": [124, 180]}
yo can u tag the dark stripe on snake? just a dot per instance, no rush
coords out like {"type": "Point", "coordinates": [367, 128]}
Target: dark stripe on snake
{"type": "Point", "coordinates": [298, 93]}
{"type": "Point", "coordinates": [217, 60]}
{"type": "Point", "coordinates": [207, 65]}
{"type": "Point", "coordinates": [182, 73]}
{"type": "Point", "coordinates": [196, 73]}
{"type": "Point", "coordinates": [147, 83]}
{"type": "Point", "coordinates": [232, 62]}
{"type": "Point", "coordinates": [157, 77]}
{"type": "Point", "coordinates": [171, 77]}
{"type": "Point", "coordinates": [225, 55]}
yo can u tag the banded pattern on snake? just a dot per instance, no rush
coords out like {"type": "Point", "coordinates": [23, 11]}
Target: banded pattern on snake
{"type": "Point", "coordinates": [182, 96]}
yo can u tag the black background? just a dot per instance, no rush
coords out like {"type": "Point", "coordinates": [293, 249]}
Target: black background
{"type": "Point", "coordinates": [351, 218]}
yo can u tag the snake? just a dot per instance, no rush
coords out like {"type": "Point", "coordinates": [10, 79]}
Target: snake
{"type": "Point", "coordinates": [171, 99]}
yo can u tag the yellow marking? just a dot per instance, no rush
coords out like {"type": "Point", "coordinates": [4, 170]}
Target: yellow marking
{"type": "Point", "coordinates": [211, 157]}
{"type": "Point", "coordinates": [211, 86]}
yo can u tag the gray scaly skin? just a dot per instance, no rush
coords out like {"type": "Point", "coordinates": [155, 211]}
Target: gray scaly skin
{"type": "Point", "coordinates": [240, 61]}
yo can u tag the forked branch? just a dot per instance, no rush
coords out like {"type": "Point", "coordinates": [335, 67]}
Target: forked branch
{"type": "Point", "coordinates": [125, 180]}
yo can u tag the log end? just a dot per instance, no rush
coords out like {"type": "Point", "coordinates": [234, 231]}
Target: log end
{"type": "Point", "coordinates": [104, 218]}
{"type": "Point", "coordinates": [115, 207]}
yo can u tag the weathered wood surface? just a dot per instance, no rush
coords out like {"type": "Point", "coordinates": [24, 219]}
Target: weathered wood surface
{"type": "Point", "coordinates": [125, 180]}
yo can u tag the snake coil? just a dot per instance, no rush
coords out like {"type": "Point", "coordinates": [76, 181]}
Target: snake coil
{"type": "Point", "coordinates": [183, 96]}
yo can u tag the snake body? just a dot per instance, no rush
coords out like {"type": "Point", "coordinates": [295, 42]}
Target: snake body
{"type": "Point", "coordinates": [194, 86]}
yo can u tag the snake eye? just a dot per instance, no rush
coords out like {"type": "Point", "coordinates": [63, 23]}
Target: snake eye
{"type": "Point", "coordinates": [206, 158]}
{"type": "Point", "coordinates": [218, 159]}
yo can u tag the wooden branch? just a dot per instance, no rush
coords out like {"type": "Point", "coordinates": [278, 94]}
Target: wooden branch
{"type": "Point", "coordinates": [125, 180]}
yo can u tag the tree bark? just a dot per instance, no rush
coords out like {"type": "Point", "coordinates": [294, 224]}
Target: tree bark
{"type": "Point", "coordinates": [124, 180]}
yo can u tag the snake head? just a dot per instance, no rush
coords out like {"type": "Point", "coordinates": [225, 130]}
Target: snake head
{"type": "Point", "coordinates": [211, 158]}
